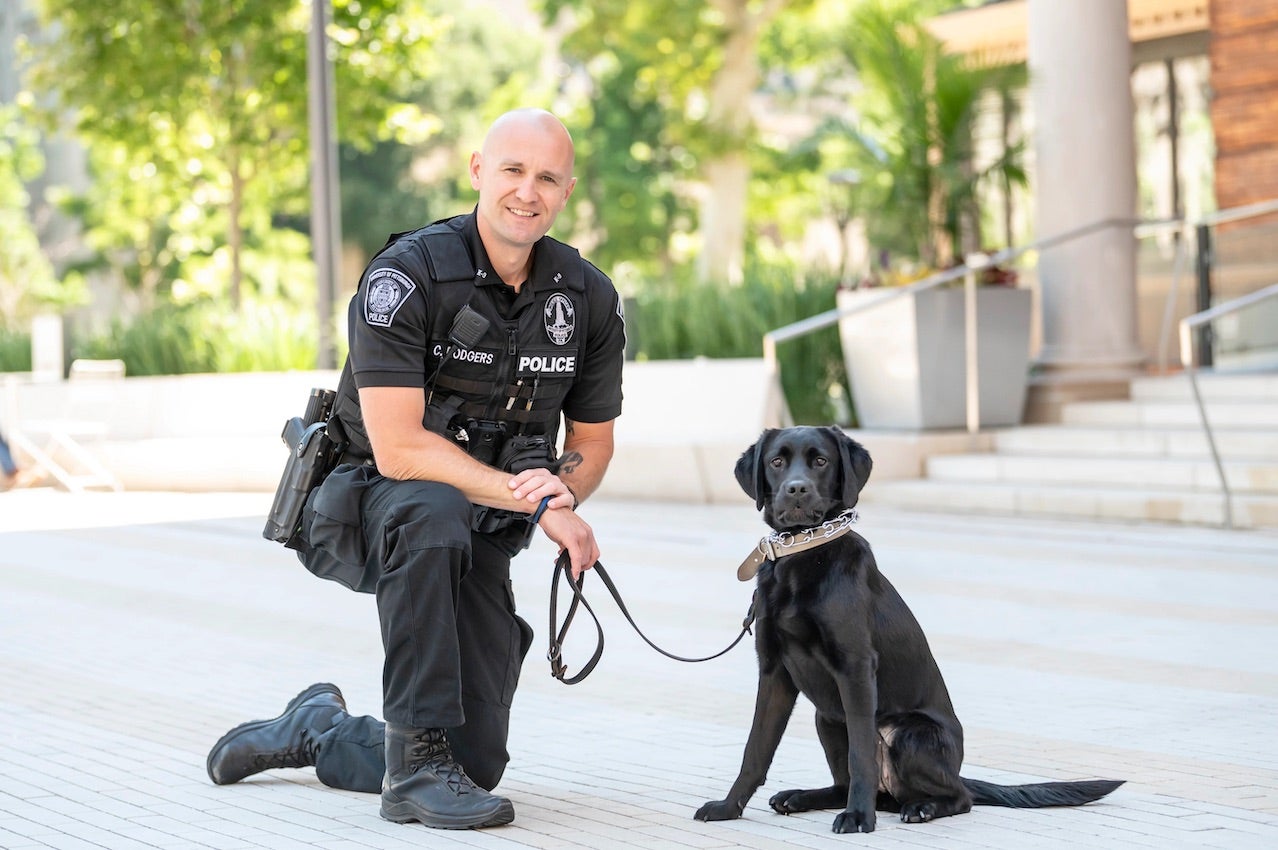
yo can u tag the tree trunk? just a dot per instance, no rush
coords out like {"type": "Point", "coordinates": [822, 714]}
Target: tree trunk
{"type": "Point", "coordinates": [727, 173]}
{"type": "Point", "coordinates": [723, 219]}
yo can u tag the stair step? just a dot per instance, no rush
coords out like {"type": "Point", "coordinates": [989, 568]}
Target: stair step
{"type": "Point", "coordinates": [1085, 502]}
{"type": "Point", "coordinates": [1221, 414]}
{"type": "Point", "coordinates": [1213, 386]}
{"type": "Point", "coordinates": [1128, 441]}
{"type": "Point", "coordinates": [1169, 474]}
{"type": "Point", "coordinates": [1143, 459]}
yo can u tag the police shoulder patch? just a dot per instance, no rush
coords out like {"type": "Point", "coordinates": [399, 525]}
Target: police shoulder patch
{"type": "Point", "coordinates": [387, 291]}
{"type": "Point", "coordinates": [560, 318]}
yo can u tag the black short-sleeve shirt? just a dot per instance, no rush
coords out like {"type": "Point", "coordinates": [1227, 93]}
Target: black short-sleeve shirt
{"type": "Point", "coordinates": [409, 295]}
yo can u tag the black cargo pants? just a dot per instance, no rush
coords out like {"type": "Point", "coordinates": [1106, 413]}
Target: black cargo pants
{"type": "Point", "coordinates": [453, 642]}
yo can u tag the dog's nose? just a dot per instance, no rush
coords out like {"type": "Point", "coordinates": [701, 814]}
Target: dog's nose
{"type": "Point", "coordinates": [796, 488]}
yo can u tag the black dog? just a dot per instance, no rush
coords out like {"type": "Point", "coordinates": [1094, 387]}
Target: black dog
{"type": "Point", "coordinates": [832, 627]}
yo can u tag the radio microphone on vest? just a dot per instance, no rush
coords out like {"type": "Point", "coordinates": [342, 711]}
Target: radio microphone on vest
{"type": "Point", "coordinates": [468, 328]}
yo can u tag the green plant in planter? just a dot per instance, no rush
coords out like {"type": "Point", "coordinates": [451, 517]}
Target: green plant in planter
{"type": "Point", "coordinates": [672, 319]}
{"type": "Point", "coordinates": [913, 144]}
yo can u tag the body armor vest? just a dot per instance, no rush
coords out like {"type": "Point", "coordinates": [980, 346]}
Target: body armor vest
{"type": "Point", "coordinates": [519, 369]}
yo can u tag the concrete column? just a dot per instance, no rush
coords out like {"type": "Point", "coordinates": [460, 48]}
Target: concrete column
{"type": "Point", "coordinates": [1080, 84]}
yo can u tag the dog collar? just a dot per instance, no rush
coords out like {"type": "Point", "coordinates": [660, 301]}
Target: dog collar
{"type": "Point", "coordinates": [778, 544]}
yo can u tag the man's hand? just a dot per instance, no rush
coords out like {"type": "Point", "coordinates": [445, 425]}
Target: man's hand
{"type": "Point", "coordinates": [573, 535]}
{"type": "Point", "coordinates": [533, 485]}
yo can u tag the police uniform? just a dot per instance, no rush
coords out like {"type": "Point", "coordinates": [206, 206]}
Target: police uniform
{"type": "Point", "coordinates": [438, 565]}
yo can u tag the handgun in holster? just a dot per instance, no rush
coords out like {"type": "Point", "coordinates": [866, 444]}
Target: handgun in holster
{"type": "Point", "coordinates": [312, 455]}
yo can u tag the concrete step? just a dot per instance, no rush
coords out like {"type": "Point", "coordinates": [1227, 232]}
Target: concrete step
{"type": "Point", "coordinates": [1165, 474]}
{"type": "Point", "coordinates": [1130, 441]}
{"type": "Point", "coordinates": [1157, 414]}
{"type": "Point", "coordinates": [1170, 505]}
{"type": "Point", "coordinates": [1144, 459]}
{"type": "Point", "coordinates": [1214, 386]}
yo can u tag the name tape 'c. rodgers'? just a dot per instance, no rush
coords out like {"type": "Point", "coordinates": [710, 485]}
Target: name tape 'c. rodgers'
{"type": "Point", "coordinates": [466, 354]}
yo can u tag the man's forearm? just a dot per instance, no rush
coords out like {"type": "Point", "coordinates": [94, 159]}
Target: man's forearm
{"type": "Point", "coordinates": [585, 459]}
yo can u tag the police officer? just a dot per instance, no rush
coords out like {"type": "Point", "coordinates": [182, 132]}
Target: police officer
{"type": "Point", "coordinates": [469, 339]}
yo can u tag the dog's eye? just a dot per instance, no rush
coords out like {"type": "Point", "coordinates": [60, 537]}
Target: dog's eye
{"type": "Point", "coordinates": [819, 461]}
{"type": "Point", "coordinates": [776, 463]}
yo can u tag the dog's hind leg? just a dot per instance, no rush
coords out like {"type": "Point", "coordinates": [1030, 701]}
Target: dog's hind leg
{"type": "Point", "coordinates": [920, 768]}
{"type": "Point", "coordinates": [772, 708]}
{"type": "Point", "coordinates": [833, 735]}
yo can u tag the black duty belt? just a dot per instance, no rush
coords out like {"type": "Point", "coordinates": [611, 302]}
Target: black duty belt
{"type": "Point", "coordinates": [557, 633]}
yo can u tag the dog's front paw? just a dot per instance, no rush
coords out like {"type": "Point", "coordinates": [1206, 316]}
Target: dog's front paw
{"type": "Point", "coordinates": [719, 810]}
{"type": "Point", "coordinates": [850, 821]}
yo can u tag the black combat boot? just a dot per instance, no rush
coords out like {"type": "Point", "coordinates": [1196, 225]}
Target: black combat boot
{"type": "Point", "coordinates": [424, 784]}
{"type": "Point", "coordinates": [290, 740]}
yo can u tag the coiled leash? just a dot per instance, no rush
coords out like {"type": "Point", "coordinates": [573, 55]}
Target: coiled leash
{"type": "Point", "coordinates": [557, 667]}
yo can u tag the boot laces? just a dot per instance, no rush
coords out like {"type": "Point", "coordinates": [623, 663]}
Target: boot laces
{"type": "Point", "coordinates": [302, 754]}
{"type": "Point", "coordinates": [430, 750]}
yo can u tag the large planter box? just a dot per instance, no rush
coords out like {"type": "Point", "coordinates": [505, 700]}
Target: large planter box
{"type": "Point", "coordinates": [906, 359]}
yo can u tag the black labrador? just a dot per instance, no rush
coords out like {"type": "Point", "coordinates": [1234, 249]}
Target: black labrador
{"type": "Point", "coordinates": [832, 627]}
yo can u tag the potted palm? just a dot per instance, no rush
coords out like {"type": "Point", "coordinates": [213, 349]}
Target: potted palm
{"type": "Point", "coordinates": [917, 192]}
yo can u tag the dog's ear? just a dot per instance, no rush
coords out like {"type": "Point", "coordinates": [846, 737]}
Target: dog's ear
{"type": "Point", "coordinates": [749, 471]}
{"type": "Point", "coordinates": [856, 465]}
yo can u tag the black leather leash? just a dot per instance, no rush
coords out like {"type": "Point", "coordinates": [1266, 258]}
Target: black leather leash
{"type": "Point", "coordinates": [557, 667]}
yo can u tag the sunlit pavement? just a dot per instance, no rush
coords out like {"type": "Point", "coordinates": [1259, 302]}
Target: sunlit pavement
{"type": "Point", "coordinates": [135, 628]}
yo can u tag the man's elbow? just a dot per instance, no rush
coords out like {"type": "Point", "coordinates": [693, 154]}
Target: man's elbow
{"type": "Point", "coordinates": [393, 461]}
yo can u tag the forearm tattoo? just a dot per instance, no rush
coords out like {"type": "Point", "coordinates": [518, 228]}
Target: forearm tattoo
{"type": "Point", "coordinates": [569, 462]}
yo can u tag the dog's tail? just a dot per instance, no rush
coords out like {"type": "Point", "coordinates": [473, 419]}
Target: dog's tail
{"type": "Point", "coordinates": [1038, 795]}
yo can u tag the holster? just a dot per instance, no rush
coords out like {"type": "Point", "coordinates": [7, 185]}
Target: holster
{"type": "Point", "coordinates": [312, 455]}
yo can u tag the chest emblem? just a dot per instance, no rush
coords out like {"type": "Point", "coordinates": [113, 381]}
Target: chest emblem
{"type": "Point", "coordinates": [560, 317]}
{"type": "Point", "coordinates": [388, 289]}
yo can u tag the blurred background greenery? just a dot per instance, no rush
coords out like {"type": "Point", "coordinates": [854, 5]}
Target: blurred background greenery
{"type": "Point", "coordinates": [725, 149]}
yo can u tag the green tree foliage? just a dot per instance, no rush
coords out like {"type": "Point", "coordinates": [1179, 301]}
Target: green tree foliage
{"type": "Point", "coordinates": [27, 280]}
{"type": "Point", "coordinates": [807, 78]}
{"type": "Point", "coordinates": [913, 142]}
{"type": "Point", "coordinates": [670, 88]}
{"type": "Point", "coordinates": [480, 67]}
{"type": "Point", "coordinates": [195, 113]}
{"type": "Point", "coordinates": [628, 171]}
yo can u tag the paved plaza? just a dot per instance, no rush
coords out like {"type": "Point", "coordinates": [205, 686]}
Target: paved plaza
{"type": "Point", "coordinates": [135, 628]}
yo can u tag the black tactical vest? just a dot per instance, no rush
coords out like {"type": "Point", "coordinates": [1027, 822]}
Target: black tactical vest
{"type": "Point", "coordinates": [522, 366]}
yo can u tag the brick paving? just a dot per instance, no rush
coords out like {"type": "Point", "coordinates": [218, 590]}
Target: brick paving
{"type": "Point", "coordinates": [136, 628]}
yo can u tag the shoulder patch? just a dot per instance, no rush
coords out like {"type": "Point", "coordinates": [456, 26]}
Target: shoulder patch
{"type": "Point", "coordinates": [560, 318]}
{"type": "Point", "coordinates": [387, 291]}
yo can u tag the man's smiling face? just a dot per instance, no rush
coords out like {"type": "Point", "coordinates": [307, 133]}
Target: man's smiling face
{"type": "Point", "coordinates": [524, 178]}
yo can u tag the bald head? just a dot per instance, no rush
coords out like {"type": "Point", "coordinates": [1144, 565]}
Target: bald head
{"type": "Point", "coordinates": [519, 124]}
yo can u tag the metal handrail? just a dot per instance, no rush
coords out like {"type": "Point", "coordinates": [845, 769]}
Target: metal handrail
{"type": "Point", "coordinates": [1141, 228]}
{"type": "Point", "coordinates": [967, 270]}
{"type": "Point", "coordinates": [1184, 229]}
{"type": "Point", "coordinates": [1238, 213]}
{"type": "Point", "coordinates": [1188, 361]}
